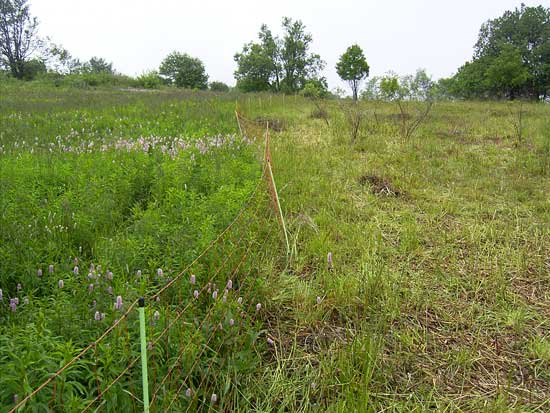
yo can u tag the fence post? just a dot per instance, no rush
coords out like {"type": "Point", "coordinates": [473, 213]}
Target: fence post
{"type": "Point", "coordinates": [143, 336]}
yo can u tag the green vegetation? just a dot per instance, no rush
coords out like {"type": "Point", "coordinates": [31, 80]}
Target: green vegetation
{"type": "Point", "coordinates": [185, 71]}
{"type": "Point", "coordinates": [353, 68]}
{"type": "Point", "coordinates": [433, 298]}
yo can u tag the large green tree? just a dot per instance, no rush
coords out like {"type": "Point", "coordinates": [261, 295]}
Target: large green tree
{"type": "Point", "coordinates": [511, 58]}
{"type": "Point", "coordinates": [353, 68]}
{"type": "Point", "coordinates": [278, 64]}
{"type": "Point", "coordinates": [184, 71]}
{"type": "Point", "coordinates": [18, 36]}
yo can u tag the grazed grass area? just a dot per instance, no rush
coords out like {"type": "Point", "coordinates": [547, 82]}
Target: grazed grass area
{"type": "Point", "coordinates": [438, 293]}
{"type": "Point", "coordinates": [439, 296]}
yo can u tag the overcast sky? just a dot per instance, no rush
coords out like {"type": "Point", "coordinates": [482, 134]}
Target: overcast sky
{"type": "Point", "coordinates": [398, 35]}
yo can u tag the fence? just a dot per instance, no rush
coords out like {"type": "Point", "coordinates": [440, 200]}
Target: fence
{"type": "Point", "coordinates": [191, 325]}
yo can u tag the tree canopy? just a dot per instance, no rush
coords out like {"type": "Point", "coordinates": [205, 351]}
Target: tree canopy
{"type": "Point", "coordinates": [184, 71]}
{"type": "Point", "coordinates": [278, 64]}
{"type": "Point", "coordinates": [511, 58]}
{"type": "Point", "coordinates": [18, 37]}
{"type": "Point", "coordinates": [353, 68]}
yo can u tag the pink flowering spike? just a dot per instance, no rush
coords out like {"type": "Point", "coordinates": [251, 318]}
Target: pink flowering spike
{"type": "Point", "coordinates": [138, 273]}
{"type": "Point", "coordinates": [103, 316]}
{"type": "Point", "coordinates": [19, 287]}
{"type": "Point", "coordinates": [160, 272]}
{"type": "Point", "coordinates": [270, 341]}
{"type": "Point", "coordinates": [231, 322]}
{"type": "Point", "coordinates": [39, 272]}
{"type": "Point", "coordinates": [16, 300]}
{"type": "Point", "coordinates": [224, 299]}
{"type": "Point", "coordinates": [258, 307]}
{"type": "Point", "coordinates": [60, 284]}
{"type": "Point", "coordinates": [50, 268]}
{"type": "Point", "coordinates": [156, 316]}
{"type": "Point", "coordinates": [26, 300]}
{"type": "Point", "coordinates": [110, 290]}
{"type": "Point", "coordinates": [196, 294]}
{"type": "Point", "coordinates": [13, 305]}
{"type": "Point", "coordinates": [329, 261]}
{"type": "Point", "coordinates": [192, 280]}
{"type": "Point", "coordinates": [118, 302]}
{"type": "Point", "coordinates": [15, 399]}
{"type": "Point", "coordinates": [319, 299]}
{"type": "Point", "coordinates": [90, 288]}
{"type": "Point", "coordinates": [75, 261]}
{"type": "Point", "coordinates": [188, 393]}
{"type": "Point", "coordinates": [240, 300]}
{"type": "Point", "coordinates": [157, 299]}
{"type": "Point", "coordinates": [97, 316]}
{"type": "Point", "coordinates": [1, 295]}
{"type": "Point", "coordinates": [229, 284]}
{"type": "Point", "coordinates": [214, 398]}
{"type": "Point", "coordinates": [75, 270]}
{"type": "Point", "coordinates": [215, 294]}
{"type": "Point", "coordinates": [150, 346]}
{"type": "Point", "coordinates": [109, 275]}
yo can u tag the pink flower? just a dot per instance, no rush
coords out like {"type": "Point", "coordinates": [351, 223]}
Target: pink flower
{"type": "Point", "coordinates": [214, 398]}
{"type": "Point", "coordinates": [118, 302]}
{"type": "Point", "coordinates": [156, 316]}
{"type": "Point", "coordinates": [19, 287]}
{"type": "Point", "coordinates": [50, 268]}
{"type": "Point", "coordinates": [39, 272]}
{"type": "Point", "coordinates": [258, 307]}
{"type": "Point", "coordinates": [196, 294]}
{"type": "Point", "coordinates": [160, 272]}
{"type": "Point", "coordinates": [215, 294]}
{"type": "Point", "coordinates": [240, 300]}
{"type": "Point", "coordinates": [231, 322]}
{"type": "Point", "coordinates": [75, 270]}
{"type": "Point", "coordinates": [329, 261]}
{"type": "Point", "coordinates": [1, 295]}
{"type": "Point", "coordinates": [270, 341]}
{"type": "Point", "coordinates": [138, 273]}
{"type": "Point", "coordinates": [192, 280]}
{"type": "Point", "coordinates": [97, 316]}
{"type": "Point", "coordinates": [60, 283]}
{"type": "Point", "coordinates": [90, 288]}
{"type": "Point", "coordinates": [319, 300]}
{"type": "Point", "coordinates": [229, 284]}
{"type": "Point", "coordinates": [188, 392]}
{"type": "Point", "coordinates": [109, 275]}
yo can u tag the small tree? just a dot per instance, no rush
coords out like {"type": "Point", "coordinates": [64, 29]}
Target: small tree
{"type": "Point", "coordinates": [218, 87]}
{"type": "Point", "coordinates": [353, 68]}
{"type": "Point", "coordinates": [184, 71]}
{"type": "Point", "coordinates": [18, 36]}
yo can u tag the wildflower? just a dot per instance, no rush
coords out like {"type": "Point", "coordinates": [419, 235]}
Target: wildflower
{"type": "Point", "coordinates": [13, 305]}
{"type": "Point", "coordinates": [157, 299]}
{"type": "Point", "coordinates": [94, 303]}
{"type": "Point", "coordinates": [156, 316]}
{"type": "Point", "coordinates": [103, 316]}
{"type": "Point", "coordinates": [258, 307]}
{"type": "Point", "coordinates": [138, 273]}
{"type": "Point", "coordinates": [75, 270]}
{"type": "Point", "coordinates": [26, 300]}
{"type": "Point", "coordinates": [270, 341]}
{"type": "Point", "coordinates": [319, 300]}
{"type": "Point", "coordinates": [215, 294]}
{"type": "Point", "coordinates": [92, 267]}
{"type": "Point", "coordinates": [15, 398]}
{"type": "Point", "coordinates": [109, 275]}
{"type": "Point", "coordinates": [90, 288]}
{"type": "Point", "coordinates": [39, 272]}
{"type": "Point", "coordinates": [60, 283]}
{"type": "Point", "coordinates": [97, 316]}
{"type": "Point", "coordinates": [240, 300]}
{"type": "Point", "coordinates": [214, 398]}
{"type": "Point", "coordinates": [224, 299]}
{"type": "Point", "coordinates": [329, 261]}
{"type": "Point", "coordinates": [110, 290]}
{"type": "Point", "coordinates": [75, 261]}
{"type": "Point", "coordinates": [50, 268]}
{"type": "Point", "coordinates": [91, 276]}
{"type": "Point", "coordinates": [19, 287]}
{"type": "Point", "coordinates": [16, 300]}
{"type": "Point", "coordinates": [188, 392]}
{"type": "Point", "coordinates": [229, 284]}
{"type": "Point", "coordinates": [231, 322]}
{"type": "Point", "coordinates": [192, 281]}
{"type": "Point", "coordinates": [118, 302]}
{"type": "Point", "coordinates": [196, 294]}
{"type": "Point", "coordinates": [150, 346]}
{"type": "Point", "coordinates": [1, 295]}
{"type": "Point", "coordinates": [160, 272]}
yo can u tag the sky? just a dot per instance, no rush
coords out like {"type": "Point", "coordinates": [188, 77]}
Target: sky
{"type": "Point", "coordinates": [397, 35]}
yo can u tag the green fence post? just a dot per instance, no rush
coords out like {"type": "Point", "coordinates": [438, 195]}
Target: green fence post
{"type": "Point", "coordinates": [143, 336]}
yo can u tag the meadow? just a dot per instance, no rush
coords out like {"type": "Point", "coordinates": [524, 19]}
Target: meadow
{"type": "Point", "coordinates": [417, 280]}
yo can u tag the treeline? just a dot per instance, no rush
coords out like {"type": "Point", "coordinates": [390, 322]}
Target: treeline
{"type": "Point", "coordinates": [511, 60]}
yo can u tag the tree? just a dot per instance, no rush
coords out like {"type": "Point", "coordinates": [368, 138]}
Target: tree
{"type": "Point", "coordinates": [511, 57]}
{"type": "Point", "coordinates": [184, 71]}
{"type": "Point", "coordinates": [353, 68]}
{"type": "Point", "coordinates": [278, 64]}
{"type": "Point", "coordinates": [18, 35]}
{"type": "Point", "coordinates": [218, 87]}
{"type": "Point", "coordinates": [98, 65]}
